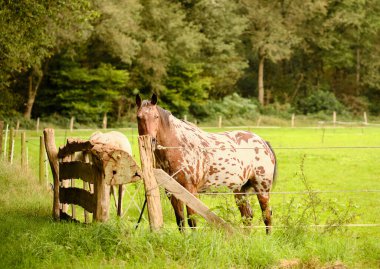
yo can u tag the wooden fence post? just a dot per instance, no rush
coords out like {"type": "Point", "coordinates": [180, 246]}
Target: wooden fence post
{"type": "Point", "coordinates": [185, 117]}
{"type": "Point", "coordinates": [220, 122]}
{"type": "Point", "coordinates": [258, 121]}
{"type": "Point", "coordinates": [105, 121]}
{"type": "Point", "coordinates": [17, 127]}
{"type": "Point", "coordinates": [152, 191]}
{"type": "Point", "coordinates": [1, 138]}
{"type": "Point", "coordinates": [5, 142]}
{"type": "Point", "coordinates": [293, 117]}
{"type": "Point", "coordinates": [42, 159]}
{"type": "Point", "coordinates": [86, 187]}
{"type": "Point", "coordinates": [334, 118]}
{"type": "Point", "coordinates": [23, 150]}
{"type": "Point", "coordinates": [72, 124]}
{"type": "Point", "coordinates": [10, 145]}
{"type": "Point", "coordinates": [102, 193]}
{"type": "Point", "coordinates": [365, 118]}
{"type": "Point", "coordinates": [52, 154]}
{"type": "Point", "coordinates": [73, 209]}
{"type": "Point", "coordinates": [38, 125]}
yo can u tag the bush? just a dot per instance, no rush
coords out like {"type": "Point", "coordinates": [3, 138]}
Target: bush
{"type": "Point", "coordinates": [232, 106]}
{"type": "Point", "coordinates": [319, 101]}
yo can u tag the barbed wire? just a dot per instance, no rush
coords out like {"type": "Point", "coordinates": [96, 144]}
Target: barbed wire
{"type": "Point", "coordinates": [352, 225]}
{"type": "Point", "coordinates": [291, 192]}
{"type": "Point", "coordinates": [160, 147]}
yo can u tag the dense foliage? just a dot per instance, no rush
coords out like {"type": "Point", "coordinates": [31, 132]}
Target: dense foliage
{"type": "Point", "coordinates": [88, 58]}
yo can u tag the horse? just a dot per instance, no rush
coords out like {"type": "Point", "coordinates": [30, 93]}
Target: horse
{"type": "Point", "coordinates": [199, 160]}
{"type": "Point", "coordinates": [116, 140]}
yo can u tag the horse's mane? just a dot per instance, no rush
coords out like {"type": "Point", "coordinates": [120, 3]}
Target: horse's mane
{"type": "Point", "coordinates": [164, 116]}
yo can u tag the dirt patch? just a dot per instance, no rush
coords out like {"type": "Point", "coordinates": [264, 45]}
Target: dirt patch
{"type": "Point", "coordinates": [298, 264]}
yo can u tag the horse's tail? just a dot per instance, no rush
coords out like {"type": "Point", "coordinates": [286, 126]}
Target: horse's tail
{"type": "Point", "coordinates": [275, 163]}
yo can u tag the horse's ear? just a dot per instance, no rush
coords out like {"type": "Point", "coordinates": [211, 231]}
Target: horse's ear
{"type": "Point", "coordinates": [138, 100]}
{"type": "Point", "coordinates": [153, 100]}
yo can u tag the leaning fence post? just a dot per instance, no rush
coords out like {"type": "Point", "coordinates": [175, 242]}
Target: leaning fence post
{"type": "Point", "coordinates": [220, 122]}
{"type": "Point", "coordinates": [152, 190]}
{"type": "Point", "coordinates": [52, 153]}
{"type": "Point", "coordinates": [23, 150]}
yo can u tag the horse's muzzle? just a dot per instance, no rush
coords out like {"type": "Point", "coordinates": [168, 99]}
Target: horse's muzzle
{"type": "Point", "coordinates": [154, 143]}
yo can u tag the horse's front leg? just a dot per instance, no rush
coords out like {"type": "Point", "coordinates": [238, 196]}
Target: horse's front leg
{"type": "Point", "coordinates": [190, 212]}
{"type": "Point", "coordinates": [178, 210]}
{"type": "Point", "coordinates": [242, 202]}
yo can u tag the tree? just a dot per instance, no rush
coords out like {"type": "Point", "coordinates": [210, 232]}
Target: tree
{"type": "Point", "coordinates": [222, 25]}
{"type": "Point", "coordinates": [272, 33]}
{"type": "Point", "coordinates": [83, 92]}
{"type": "Point", "coordinates": [32, 32]}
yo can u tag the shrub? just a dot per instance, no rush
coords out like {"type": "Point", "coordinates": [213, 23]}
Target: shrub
{"type": "Point", "coordinates": [319, 101]}
{"type": "Point", "coordinates": [232, 106]}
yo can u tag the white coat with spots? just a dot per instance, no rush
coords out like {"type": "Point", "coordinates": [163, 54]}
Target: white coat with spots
{"type": "Point", "coordinates": [199, 160]}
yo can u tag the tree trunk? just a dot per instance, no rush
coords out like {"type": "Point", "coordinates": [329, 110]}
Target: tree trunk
{"type": "Point", "coordinates": [32, 91]}
{"type": "Point", "coordinates": [261, 79]}
{"type": "Point", "coordinates": [357, 71]}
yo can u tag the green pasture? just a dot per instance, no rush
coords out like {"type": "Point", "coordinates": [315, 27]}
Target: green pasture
{"type": "Point", "coordinates": [342, 163]}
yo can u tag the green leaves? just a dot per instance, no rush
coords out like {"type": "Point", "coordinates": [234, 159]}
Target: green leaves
{"type": "Point", "coordinates": [89, 93]}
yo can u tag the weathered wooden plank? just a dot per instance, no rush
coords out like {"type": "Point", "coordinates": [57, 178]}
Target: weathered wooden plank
{"type": "Point", "coordinates": [77, 196]}
{"type": "Point", "coordinates": [73, 145]}
{"type": "Point", "coordinates": [121, 168]}
{"type": "Point", "coordinates": [152, 190]}
{"type": "Point", "coordinates": [77, 169]}
{"type": "Point", "coordinates": [170, 184]}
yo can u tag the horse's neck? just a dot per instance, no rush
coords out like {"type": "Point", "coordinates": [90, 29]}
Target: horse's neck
{"type": "Point", "coordinates": [169, 136]}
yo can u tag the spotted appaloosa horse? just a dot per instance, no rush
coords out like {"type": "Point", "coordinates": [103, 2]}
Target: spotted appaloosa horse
{"type": "Point", "coordinates": [198, 160]}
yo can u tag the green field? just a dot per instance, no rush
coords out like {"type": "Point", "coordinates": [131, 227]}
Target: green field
{"type": "Point", "coordinates": [312, 229]}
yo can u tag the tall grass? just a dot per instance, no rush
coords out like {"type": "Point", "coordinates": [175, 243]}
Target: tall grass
{"type": "Point", "coordinates": [29, 238]}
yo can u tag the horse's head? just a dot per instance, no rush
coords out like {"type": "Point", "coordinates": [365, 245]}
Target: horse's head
{"type": "Point", "coordinates": [148, 117]}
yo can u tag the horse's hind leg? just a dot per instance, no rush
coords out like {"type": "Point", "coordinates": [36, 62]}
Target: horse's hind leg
{"type": "Point", "coordinates": [243, 203]}
{"type": "Point", "coordinates": [190, 217]}
{"type": "Point", "coordinates": [263, 198]}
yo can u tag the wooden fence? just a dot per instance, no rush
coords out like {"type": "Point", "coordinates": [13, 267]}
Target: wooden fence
{"type": "Point", "coordinates": [98, 165]}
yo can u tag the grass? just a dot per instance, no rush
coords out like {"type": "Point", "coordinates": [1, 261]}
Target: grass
{"type": "Point", "coordinates": [29, 238]}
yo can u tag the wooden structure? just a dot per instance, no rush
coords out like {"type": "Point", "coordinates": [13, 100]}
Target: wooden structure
{"type": "Point", "coordinates": [98, 164]}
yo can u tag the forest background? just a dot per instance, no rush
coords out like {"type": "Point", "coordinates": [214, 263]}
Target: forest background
{"type": "Point", "coordinates": [235, 58]}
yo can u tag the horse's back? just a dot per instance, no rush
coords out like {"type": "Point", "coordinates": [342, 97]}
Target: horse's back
{"type": "Point", "coordinates": [114, 139]}
{"type": "Point", "coordinates": [238, 156]}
